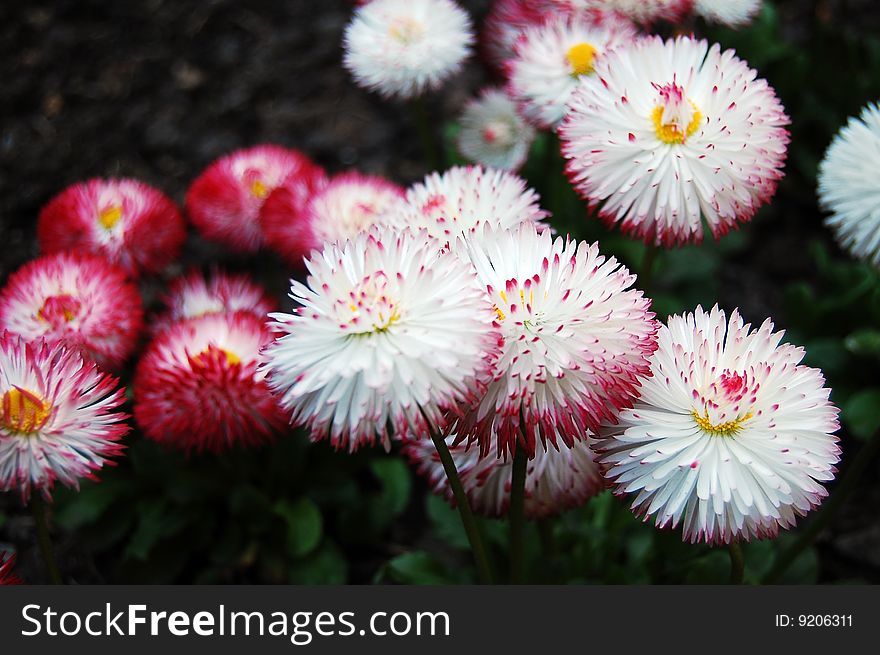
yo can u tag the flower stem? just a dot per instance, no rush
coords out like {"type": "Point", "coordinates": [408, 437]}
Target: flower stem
{"type": "Point", "coordinates": [829, 509]}
{"type": "Point", "coordinates": [474, 535]}
{"type": "Point", "coordinates": [646, 274]}
{"type": "Point", "coordinates": [737, 564]}
{"type": "Point", "coordinates": [426, 134]}
{"type": "Point", "coordinates": [516, 514]}
{"type": "Point", "coordinates": [38, 507]}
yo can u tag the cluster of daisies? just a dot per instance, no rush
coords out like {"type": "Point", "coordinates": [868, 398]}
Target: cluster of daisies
{"type": "Point", "coordinates": [449, 313]}
{"type": "Point", "coordinates": [660, 136]}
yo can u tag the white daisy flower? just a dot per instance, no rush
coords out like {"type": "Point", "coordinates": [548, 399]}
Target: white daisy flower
{"type": "Point", "coordinates": [551, 58]}
{"type": "Point", "coordinates": [643, 12]}
{"type": "Point", "coordinates": [57, 422]}
{"type": "Point", "coordinates": [731, 437]}
{"type": "Point", "coordinates": [493, 133]}
{"type": "Point", "coordinates": [403, 48]}
{"type": "Point", "coordinates": [389, 333]}
{"type": "Point", "coordinates": [463, 200]}
{"type": "Point", "coordinates": [668, 132]}
{"type": "Point", "coordinates": [556, 480]}
{"type": "Point", "coordinates": [728, 12]}
{"type": "Point", "coordinates": [575, 339]}
{"type": "Point", "coordinates": [849, 187]}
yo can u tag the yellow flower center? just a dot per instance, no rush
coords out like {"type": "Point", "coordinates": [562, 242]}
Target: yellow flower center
{"type": "Point", "coordinates": [371, 306]}
{"type": "Point", "coordinates": [671, 132]}
{"type": "Point", "coordinates": [109, 217]}
{"type": "Point", "coordinates": [726, 429]}
{"type": "Point", "coordinates": [60, 309]}
{"type": "Point", "coordinates": [406, 30]}
{"type": "Point", "coordinates": [526, 301]}
{"type": "Point", "coordinates": [580, 57]}
{"type": "Point", "coordinates": [23, 411]}
{"type": "Point", "coordinates": [212, 352]}
{"type": "Point", "coordinates": [259, 190]}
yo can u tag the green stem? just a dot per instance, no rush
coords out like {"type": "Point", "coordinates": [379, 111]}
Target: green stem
{"type": "Point", "coordinates": [426, 134]}
{"type": "Point", "coordinates": [647, 271]}
{"type": "Point", "coordinates": [829, 509]}
{"type": "Point", "coordinates": [38, 507]}
{"type": "Point", "coordinates": [471, 528]}
{"type": "Point", "coordinates": [737, 564]}
{"type": "Point", "coordinates": [517, 514]}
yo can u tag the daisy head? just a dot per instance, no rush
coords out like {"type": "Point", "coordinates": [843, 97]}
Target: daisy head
{"type": "Point", "coordinates": [389, 333]}
{"type": "Point", "coordinates": [7, 573]}
{"type": "Point", "coordinates": [194, 295]}
{"type": "Point", "coordinates": [493, 133]}
{"type": "Point", "coordinates": [349, 204]}
{"type": "Point", "coordinates": [464, 200]}
{"type": "Point", "coordinates": [666, 134]}
{"type": "Point", "coordinates": [80, 299]}
{"type": "Point", "coordinates": [575, 337]}
{"type": "Point", "coordinates": [224, 202]}
{"type": "Point", "coordinates": [126, 221]}
{"type": "Point", "coordinates": [733, 13]}
{"type": "Point", "coordinates": [644, 12]}
{"type": "Point", "coordinates": [505, 22]}
{"type": "Point", "coordinates": [57, 418]}
{"type": "Point", "coordinates": [849, 188]}
{"type": "Point", "coordinates": [556, 479]}
{"type": "Point", "coordinates": [732, 437]}
{"type": "Point", "coordinates": [551, 58]}
{"type": "Point", "coordinates": [402, 48]}
{"type": "Point", "coordinates": [197, 387]}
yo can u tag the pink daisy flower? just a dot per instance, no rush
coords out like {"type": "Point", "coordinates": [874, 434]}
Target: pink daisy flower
{"type": "Point", "coordinates": [194, 295]}
{"type": "Point", "coordinates": [556, 479]}
{"type": "Point", "coordinates": [197, 387]}
{"type": "Point", "coordinates": [126, 221]}
{"type": "Point", "coordinates": [575, 337]}
{"type": "Point", "coordinates": [225, 201]}
{"type": "Point", "coordinates": [7, 574]}
{"type": "Point", "coordinates": [80, 299]}
{"type": "Point", "coordinates": [57, 422]}
{"type": "Point", "coordinates": [668, 134]}
{"type": "Point", "coordinates": [349, 204]}
{"type": "Point", "coordinates": [506, 21]}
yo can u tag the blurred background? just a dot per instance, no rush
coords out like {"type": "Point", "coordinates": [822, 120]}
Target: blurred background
{"type": "Point", "coordinates": [157, 89]}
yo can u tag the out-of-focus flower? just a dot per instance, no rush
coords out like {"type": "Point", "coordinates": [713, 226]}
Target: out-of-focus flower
{"type": "Point", "coordinates": [731, 437]}
{"type": "Point", "coordinates": [556, 480]}
{"type": "Point", "coordinates": [80, 299]}
{"type": "Point", "coordinates": [56, 416]}
{"type": "Point", "coordinates": [733, 13]}
{"type": "Point", "coordinates": [551, 58]}
{"type": "Point", "coordinates": [197, 387]}
{"type": "Point", "coordinates": [667, 132]}
{"type": "Point", "coordinates": [390, 333]}
{"type": "Point", "coordinates": [130, 223]}
{"type": "Point", "coordinates": [464, 200]}
{"type": "Point", "coordinates": [7, 573]}
{"type": "Point", "coordinates": [575, 339]}
{"type": "Point", "coordinates": [644, 12]}
{"type": "Point", "coordinates": [505, 22]}
{"type": "Point", "coordinates": [849, 187]}
{"type": "Point", "coordinates": [493, 133]}
{"type": "Point", "coordinates": [224, 202]}
{"type": "Point", "coordinates": [194, 295]}
{"type": "Point", "coordinates": [350, 203]}
{"type": "Point", "coordinates": [403, 48]}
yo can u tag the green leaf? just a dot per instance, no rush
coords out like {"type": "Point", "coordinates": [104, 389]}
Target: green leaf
{"type": "Point", "coordinates": [416, 567]}
{"type": "Point", "coordinates": [864, 342]}
{"type": "Point", "coordinates": [304, 525]}
{"type": "Point", "coordinates": [396, 481]}
{"type": "Point", "coordinates": [156, 521]}
{"type": "Point", "coordinates": [862, 413]}
{"type": "Point", "coordinates": [446, 522]}
{"type": "Point", "coordinates": [326, 565]}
